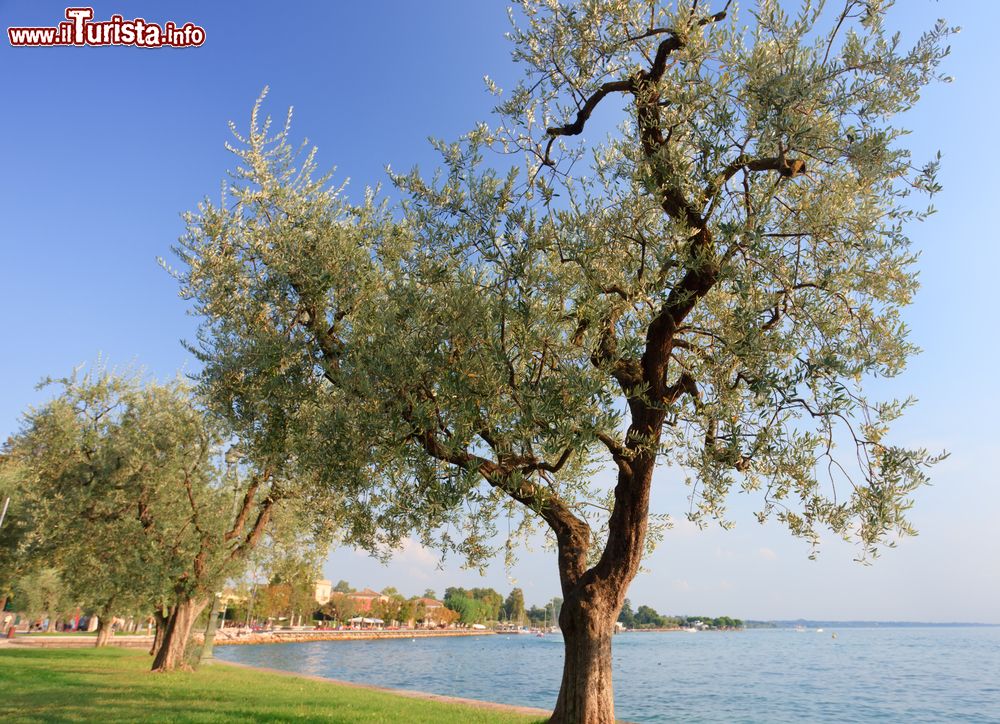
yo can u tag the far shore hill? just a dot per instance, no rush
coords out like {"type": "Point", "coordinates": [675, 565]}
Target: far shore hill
{"type": "Point", "coordinates": [811, 623]}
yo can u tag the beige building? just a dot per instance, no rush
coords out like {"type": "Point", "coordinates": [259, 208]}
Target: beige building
{"type": "Point", "coordinates": [322, 593]}
{"type": "Point", "coordinates": [231, 597]}
{"type": "Point", "coordinates": [432, 613]}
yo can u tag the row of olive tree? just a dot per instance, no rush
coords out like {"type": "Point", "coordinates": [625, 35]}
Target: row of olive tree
{"type": "Point", "coordinates": [120, 485]}
{"type": "Point", "coordinates": [710, 286]}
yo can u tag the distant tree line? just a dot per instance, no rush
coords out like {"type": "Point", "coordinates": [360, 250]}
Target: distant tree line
{"type": "Point", "coordinates": [646, 617]}
{"type": "Point", "coordinates": [475, 605]}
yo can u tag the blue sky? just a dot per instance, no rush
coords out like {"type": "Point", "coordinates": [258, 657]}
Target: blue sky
{"type": "Point", "coordinates": [102, 149]}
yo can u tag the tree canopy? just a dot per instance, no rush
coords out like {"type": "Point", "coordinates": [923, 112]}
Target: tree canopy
{"type": "Point", "coordinates": [738, 283]}
{"type": "Point", "coordinates": [712, 285]}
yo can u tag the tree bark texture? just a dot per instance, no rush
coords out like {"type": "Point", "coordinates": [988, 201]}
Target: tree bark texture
{"type": "Point", "coordinates": [104, 630]}
{"type": "Point", "coordinates": [176, 633]}
{"type": "Point", "coordinates": [593, 600]}
{"type": "Point", "coordinates": [160, 621]}
{"type": "Point", "coordinates": [585, 693]}
{"type": "Point", "coordinates": [105, 624]}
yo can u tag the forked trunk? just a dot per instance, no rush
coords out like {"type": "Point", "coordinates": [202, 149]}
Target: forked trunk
{"type": "Point", "coordinates": [585, 694]}
{"type": "Point", "coordinates": [594, 596]}
{"type": "Point", "coordinates": [176, 633]}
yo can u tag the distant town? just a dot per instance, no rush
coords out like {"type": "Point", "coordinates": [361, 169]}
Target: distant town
{"type": "Point", "coordinates": [323, 604]}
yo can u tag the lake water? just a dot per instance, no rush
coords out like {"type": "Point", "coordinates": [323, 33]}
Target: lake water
{"type": "Point", "coordinates": [863, 675]}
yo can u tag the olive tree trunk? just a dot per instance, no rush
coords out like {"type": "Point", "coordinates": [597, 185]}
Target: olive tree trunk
{"type": "Point", "coordinates": [103, 632]}
{"type": "Point", "coordinates": [593, 596]}
{"type": "Point", "coordinates": [176, 633]}
{"type": "Point", "coordinates": [585, 693]}
{"type": "Point", "coordinates": [104, 625]}
{"type": "Point", "coordinates": [160, 622]}
{"type": "Point", "coordinates": [208, 647]}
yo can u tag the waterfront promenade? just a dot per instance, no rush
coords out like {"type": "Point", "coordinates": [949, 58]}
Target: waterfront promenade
{"type": "Point", "coordinates": [228, 637]}
{"type": "Point", "coordinates": [233, 637]}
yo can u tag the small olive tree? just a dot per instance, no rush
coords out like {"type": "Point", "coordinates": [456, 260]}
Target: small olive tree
{"type": "Point", "coordinates": [128, 498]}
{"type": "Point", "coordinates": [711, 285]}
{"type": "Point", "coordinates": [16, 523]}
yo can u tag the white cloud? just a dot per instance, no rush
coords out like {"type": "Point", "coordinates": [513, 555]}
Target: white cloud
{"type": "Point", "coordinates": [767, 554]}
{"type": "Point", "coordinates": [411, 551]}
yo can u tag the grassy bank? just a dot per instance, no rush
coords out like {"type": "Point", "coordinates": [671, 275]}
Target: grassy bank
{"type": "Point", "coordinates": [115, 685]}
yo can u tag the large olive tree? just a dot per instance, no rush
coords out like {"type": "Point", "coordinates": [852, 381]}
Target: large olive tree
{"type": "Point", "coordinates": [711, 286]}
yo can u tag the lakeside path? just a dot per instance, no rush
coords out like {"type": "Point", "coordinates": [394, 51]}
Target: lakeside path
{"type": "Point", "coordinates": [69, 641]}
{"type": "Point", "coordinates": [115, 685]}
{"type": "Point", "coordinates": [286, 637]}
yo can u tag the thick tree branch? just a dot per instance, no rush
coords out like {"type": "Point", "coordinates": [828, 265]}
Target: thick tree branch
{"type": "Point", "coordinates": [571, 532]}
{"type": "Point", "coordinates": [625, 370]}
{"type": "Point", "coordinates": [684, 384]}
{"type": "Point", "coordinates": [628, 85]}
{"type": "Point", "coordinates": [669, 45]}
{"type": "Point", "coordinates": [244, 512]}
{"type": "Point", "coordinates": [787, 167]}
{"type": "Point", "coordinates": [583, 115]}
{"type": "Point", "coordinates": [618, 452]}
{"type": "Point", "coordinates": [253, 536]}
{"type": "Point", "coordinates": [628, 521]}
{"type": "Point", "coordinates": [192, 503]}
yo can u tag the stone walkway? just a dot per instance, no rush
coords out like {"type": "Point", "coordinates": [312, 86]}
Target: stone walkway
{"type": "Point", "coordinates": [73, 642]}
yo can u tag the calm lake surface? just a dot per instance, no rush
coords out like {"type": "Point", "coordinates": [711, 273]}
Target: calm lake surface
{"type": "Point", "coordinates": [864, 675]}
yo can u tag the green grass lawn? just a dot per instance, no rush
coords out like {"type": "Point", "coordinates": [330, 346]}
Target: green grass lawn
{"type": "Point", "coordinates": [115, 685]}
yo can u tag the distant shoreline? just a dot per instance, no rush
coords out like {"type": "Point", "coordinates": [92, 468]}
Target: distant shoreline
{"type": "Point", "coordinates": [788, 623]}
{"type": "Point", "coordinates": [297, 637]}
{"type": "Point", "coordinates": [683, 630]}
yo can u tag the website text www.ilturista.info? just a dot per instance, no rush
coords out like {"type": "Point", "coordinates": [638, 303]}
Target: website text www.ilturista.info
{"type": "Point", "coordinates": [81, 29]}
